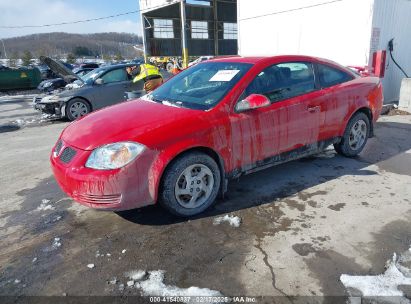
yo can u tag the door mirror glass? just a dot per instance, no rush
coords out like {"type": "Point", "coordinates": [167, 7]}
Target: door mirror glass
{"type": "Point", "coordinates": [99, 81]}
{"type": "Point", "coordinates": [253, 101]}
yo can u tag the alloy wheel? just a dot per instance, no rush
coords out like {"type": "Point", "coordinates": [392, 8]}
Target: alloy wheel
{"type": "Point", "coordinates": [78, 109]}
{"type": "Point", "coordinates": [358, 135]}
{"type": "Point", "coordinates": [194, 186]}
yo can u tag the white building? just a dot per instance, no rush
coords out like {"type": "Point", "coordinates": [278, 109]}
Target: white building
{"type": "Point", "coordinates": [346, 31]}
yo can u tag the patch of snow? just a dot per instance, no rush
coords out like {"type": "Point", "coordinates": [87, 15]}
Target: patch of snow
{"type": "Point", "coordinates": [154, 286]}
{"type": "Point", "coordinates": [135, 275]}
{"type": "Point", "coordinates": [91, 266]}
{"type": "Point", "coordinates": [124, 250]}
{"type": "Point", "coordinates": [170, 104]}
{"type": "Point", "coordinates": [34, 260]}
{"type": "Point", "coordinates": [45, 205]}
{"type": "Point", "coordinates": [108, 254]}
{"type": "Point", "coordinates": [56, 243]}
{"type": "Point", "coordinates": [130, 283]}
{"type": "Point", "coordinates": [383, 285]}
{"type": "Point", "coordinates": [121, 287]}
{"type": "Point", "coordinates": [113, 281]}
{"type": "Point", "coordinates": [234, 221]}
{"type": "Point", "coordinates": [17, 281]}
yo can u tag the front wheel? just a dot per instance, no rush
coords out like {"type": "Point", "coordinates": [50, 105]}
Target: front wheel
{"type": "Point", "coordinates": [355, 136]}
{"type": "Point", "coordinates": [77, 108]}
{"type": "Point", "coordinates": [190, 185]}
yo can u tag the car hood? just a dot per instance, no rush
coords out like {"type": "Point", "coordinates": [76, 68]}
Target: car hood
{"type": "Point", "coordinates": [59, 69]}
{"type": "Point", "coordinates": [136, 120]}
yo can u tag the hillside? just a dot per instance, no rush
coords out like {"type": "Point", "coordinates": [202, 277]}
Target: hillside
{"type": "Point", "coordinates": [60, 44]}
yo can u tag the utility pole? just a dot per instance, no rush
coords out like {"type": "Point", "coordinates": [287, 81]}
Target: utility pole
{"type": "Point", "coordinates": [143, 27]}
{"type": "Point", "coordinates": [184, 34]}
{"type": "Point", "coordinates": [101, 50]}
{"type": "Point", "coordinates": [4, 48]}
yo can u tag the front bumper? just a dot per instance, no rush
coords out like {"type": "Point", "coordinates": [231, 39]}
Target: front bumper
{"type": "Point", "coordinates": [56, 108]}
{"type": "Point", "coordinates": [49, 108]}
{"type": "Point", "coordinates": [120, 189]}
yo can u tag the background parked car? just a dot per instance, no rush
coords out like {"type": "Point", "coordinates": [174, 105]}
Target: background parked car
{"type": "Point", "coordinates": [102, 87]}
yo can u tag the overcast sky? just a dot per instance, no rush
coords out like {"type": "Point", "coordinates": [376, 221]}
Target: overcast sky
{"type": "Point", "coordinates": [37, 12]}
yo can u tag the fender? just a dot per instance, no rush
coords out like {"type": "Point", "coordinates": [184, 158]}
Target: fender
{"type": "Point", "coordinates": [165, 158]}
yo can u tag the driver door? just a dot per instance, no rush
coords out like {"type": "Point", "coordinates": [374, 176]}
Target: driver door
{"type": "Point", "coordinates": [112, 90]}
{"type": "Point", "coordinates": [289, 123]}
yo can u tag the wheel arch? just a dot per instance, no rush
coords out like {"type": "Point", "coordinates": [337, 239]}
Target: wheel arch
{"type": "Point", "coordinates": [367, 111]}
{"type": "Point", "coordinates": [203, 149]}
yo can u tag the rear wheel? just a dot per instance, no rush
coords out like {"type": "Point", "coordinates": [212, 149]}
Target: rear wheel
{"type": "Point", "coordinates": [77, 108]}
{"type": "Point", "coordinates": [190, 185]}
{"type": "Point", "coordinates": [355, 136]}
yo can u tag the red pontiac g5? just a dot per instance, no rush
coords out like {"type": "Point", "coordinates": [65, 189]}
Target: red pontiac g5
{"type": "Point", "coordinates": [217, 120]}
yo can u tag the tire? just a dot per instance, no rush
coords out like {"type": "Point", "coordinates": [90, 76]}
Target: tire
{"type": "Point", "coordinates": [355, 136]}
{"type": "Point", "coordinates": [77, 108]}
{"type": "Point", "coordinates": [184, 197]}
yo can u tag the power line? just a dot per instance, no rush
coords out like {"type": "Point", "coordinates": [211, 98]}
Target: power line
{"type": "Point", "coordinates": [79, 21]}
{"type": "Point", "coordinates": [292, 10]}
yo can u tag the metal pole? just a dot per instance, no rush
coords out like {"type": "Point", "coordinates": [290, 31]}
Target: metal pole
{"type": "Point", "coordinates": [4, 48]}
{"type": "Point", "coordinates": [215, 28]}
{"type": "Point", "coordinates": [184, 34]}
{"type": "Point", "coordinates": [143, 27]}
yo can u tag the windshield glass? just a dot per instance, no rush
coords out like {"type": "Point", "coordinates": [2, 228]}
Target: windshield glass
{"type": "Point", "coordinates": [93, 75]}
{"type": "Point", "coordinates": [201, 86]}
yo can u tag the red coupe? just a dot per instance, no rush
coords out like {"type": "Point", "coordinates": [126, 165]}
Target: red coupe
{"type": "Point", "coordinates": [217, 120]}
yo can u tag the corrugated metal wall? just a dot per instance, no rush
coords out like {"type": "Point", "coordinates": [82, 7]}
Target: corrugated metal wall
{"type": "Point", "coordinates": [226, 12]}
{"type": "Point", "coordinates": [392, 19]}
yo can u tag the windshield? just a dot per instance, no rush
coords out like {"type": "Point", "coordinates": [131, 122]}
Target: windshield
{"type": "Point", "coordinates": [201, 86]}
{"type": "Point", "coordinates": [93, 75]}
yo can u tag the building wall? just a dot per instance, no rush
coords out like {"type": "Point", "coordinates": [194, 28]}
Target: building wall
{"type": "Point", "coordinates": [392, 19]}
{"type": "Point", "coordinates": [340, 31]}
{"type": "Point", "coordinates": [215, 14]}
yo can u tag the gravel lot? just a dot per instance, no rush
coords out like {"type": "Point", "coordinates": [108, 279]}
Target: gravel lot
{"type": "Point", "coordinates": [303, 225]}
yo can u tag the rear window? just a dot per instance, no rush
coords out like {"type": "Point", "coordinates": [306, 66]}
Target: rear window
{"type": "Point", "coordinates": [329, 76]}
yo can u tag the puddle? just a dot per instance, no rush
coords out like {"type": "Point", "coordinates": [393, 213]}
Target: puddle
{"type": "Point", "coordinates": [9, 128]}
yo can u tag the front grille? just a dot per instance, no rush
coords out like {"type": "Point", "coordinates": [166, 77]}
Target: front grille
{"type": "Point", "coordinates": [98, 199]}
{"type": "Point", "coordinates": [67, 155]}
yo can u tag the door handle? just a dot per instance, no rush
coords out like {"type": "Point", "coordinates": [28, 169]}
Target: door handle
{"type": "Point", "coordinates": [314, 109]}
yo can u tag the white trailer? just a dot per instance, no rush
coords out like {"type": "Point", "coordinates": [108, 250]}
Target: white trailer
{"type": "Point", "coordinates": [346, 31]}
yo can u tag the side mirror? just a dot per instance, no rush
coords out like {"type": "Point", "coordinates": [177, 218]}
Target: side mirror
{"type": "Point", "coordinates": [99, 81]}
{"type": "Point", "coordinates": [253, 101]}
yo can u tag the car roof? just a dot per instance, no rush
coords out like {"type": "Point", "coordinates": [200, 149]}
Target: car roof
{"type": "Point", "coordinates": [118, 66]}
{"type": "Point", "coordinates": [279, 59]}
{"type": "Point", "coordinates": [261, 59]}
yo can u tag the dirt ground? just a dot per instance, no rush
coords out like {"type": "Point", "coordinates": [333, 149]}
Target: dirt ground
{"type": "Point", "coordinates": [303, 224]}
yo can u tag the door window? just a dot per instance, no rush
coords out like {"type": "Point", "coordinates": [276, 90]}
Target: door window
{"type": "Point", "coordinates": [283, 81]}
{"type": "Point", "coordinates": [115, 76]}
{"type": "Point", "coordinates": [329, 76]}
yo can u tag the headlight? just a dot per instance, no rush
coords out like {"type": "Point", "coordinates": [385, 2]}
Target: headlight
{"type": "Point", "coordinates": [114, 156]}
{"type": "Point", "coordinates": [50, 99]}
